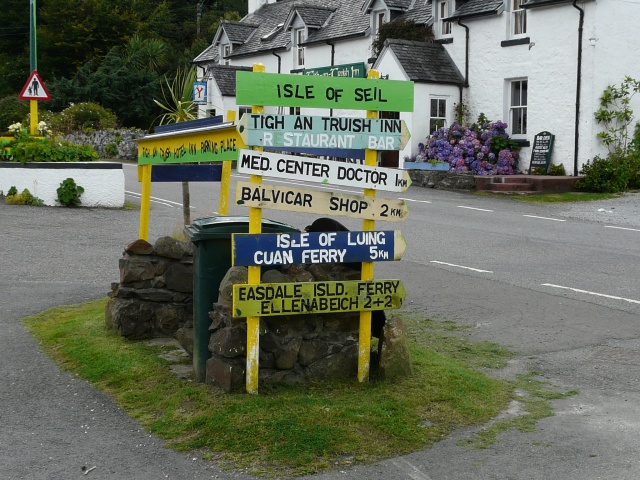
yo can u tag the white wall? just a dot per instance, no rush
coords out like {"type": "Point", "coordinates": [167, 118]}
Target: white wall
{"type": "Point", "coordinates": [102, 187]}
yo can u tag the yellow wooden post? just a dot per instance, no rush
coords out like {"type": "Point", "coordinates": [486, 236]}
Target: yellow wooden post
{"type": "Point", "coordinates": [33, 111]}
{"type": "Point", "coordinates": [145, 201]}
{"type": "Point", "coordinates": [225, 181]}
{"type": "Point", "coordinates": [253, 323]}
{"type": "Point", "coordinates": [364, 341]}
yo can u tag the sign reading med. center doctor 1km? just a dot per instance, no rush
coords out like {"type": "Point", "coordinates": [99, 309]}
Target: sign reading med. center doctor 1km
{"type": "Point", "coordinates": [323, 132]}
{"type": "Point", "coordinates": [287, 90]}
{"type": "Point", "coordinates": [316, 247]}
{"type": "Point", "coordinates": [322, 171]}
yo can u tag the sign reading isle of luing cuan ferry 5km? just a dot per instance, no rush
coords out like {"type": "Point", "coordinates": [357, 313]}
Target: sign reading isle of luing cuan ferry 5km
{"type": "Point", "coordinates": [285, 90]}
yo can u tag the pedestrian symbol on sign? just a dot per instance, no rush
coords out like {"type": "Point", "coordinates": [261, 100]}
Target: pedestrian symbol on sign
{"type": "Point", "coordinates": [34, 89]}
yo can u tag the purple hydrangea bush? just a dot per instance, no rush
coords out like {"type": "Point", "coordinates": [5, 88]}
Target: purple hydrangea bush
{"type": "Point", "coordinates": [483, 149]}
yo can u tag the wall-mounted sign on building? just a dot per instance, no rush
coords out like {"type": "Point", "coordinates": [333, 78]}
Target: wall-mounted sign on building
{"type": "Point", "coordinates": [199, 95]}
{"type": "Point", "coordinates": [351, 70]}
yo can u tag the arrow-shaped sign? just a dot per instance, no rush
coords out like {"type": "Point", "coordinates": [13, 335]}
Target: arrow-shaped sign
{"type": "Point", "coordinates": [298, 298]}
{"type": "Point", "coordinates": [323, 132]}
{"type": "Point", "coordinates": [261, 195]}
{"type": "Point", "coordinates": [322, 171]}
{"type": "Point", "coordinates": [316, 247]}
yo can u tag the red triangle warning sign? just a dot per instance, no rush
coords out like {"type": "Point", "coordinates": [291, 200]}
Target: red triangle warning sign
{"type": "Point", "coordinates": [34, 89]}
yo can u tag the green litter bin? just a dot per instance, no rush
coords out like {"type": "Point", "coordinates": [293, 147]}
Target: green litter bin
{"type": "Point", "coordinates": [211, 237]}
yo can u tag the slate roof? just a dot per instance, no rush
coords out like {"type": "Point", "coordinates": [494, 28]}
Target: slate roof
{"type": "Point", "coordinates": [210, 54]}
{"type": "Point", "coordinates": [391, 5]}
{"type": "Point", "coordinates": [425, 62]}
{"type": "Point", "coordinates": [225, 78]}
{"type": "Point", "coordinates": [544, 3]}
{"type": "Point", "coordinates": [314, 17]}
{"type": "Point", "coordinates": [420, 13]}
{"type": "Point", "coordinates": [238, 32]}
{"type": "Point", "coordinates": [478, 8]}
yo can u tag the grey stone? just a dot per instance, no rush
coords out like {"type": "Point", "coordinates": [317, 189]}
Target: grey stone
{"type": "Point", "coordinates": [233, 276]}
{"type": "Point", "coordinates": [132, 318]}
{"type": "Point", "coordinates": [273, 276]}
{"type": "Point", "coordinates": [395, 359]}
{"type": "Point", "coordinates": [171, 248]}
{"type": "Point", "coordinates": [229, 342]}
{"type": "Point", "coordinates": [342, 364]}
{"type": "Point", "coordinates": [139, 247]}
{"type": "Point", "coordinates": [225, 374]}
{"type": "Point", "coordinates": [170, 317]}
{"type": "Point", "coordinates": [287, 355]}
{"type": "Point", "coordinates": [179, 278]}
{"type": "Point", "coordinates": [293, 377]}
{"type": "Point", "coordinates": [184, 335]}
{"type": "Point", "coordinates": [134, 269]}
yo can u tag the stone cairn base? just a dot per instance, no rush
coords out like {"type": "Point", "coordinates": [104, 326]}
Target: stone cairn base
{"type": "Point", "coordinates": [154, 296]}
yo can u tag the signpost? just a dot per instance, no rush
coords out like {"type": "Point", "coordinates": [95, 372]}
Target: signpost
{"type": "Point", "coordinates": [318, 202]}
{"type": "Point", "coordinates": [541, 151]}
{"type": "Point", "coordinates": [316, 247]}
{"type": "Point", "coordinates": [323, 132]}
{"type": "Point", "coordinates": [269, 299]}
{"type": "Point", "coordinates": [287, 90]}
{"type": "Point", "coordinates": [350, 70]}
{"type": "Point", "coordinates": [322, 171]}
{"type": "Point", "coordinates": [34, 89]}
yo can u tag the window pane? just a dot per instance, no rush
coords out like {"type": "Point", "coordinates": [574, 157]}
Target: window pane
{"type": "Point", "coordinates": [523, 95]}
{"type": "Point", "coordinates": [515, 94]}
{"type": "Point", "coordinates": [434, 107]}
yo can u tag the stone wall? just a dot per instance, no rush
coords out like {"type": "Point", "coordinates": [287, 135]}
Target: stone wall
{"type": "Point", "coordinates": [154, 296]}
{"type": "Point", "coordinates": [123, 140]}
{"type": "Point", "coordinates": [443, 180]}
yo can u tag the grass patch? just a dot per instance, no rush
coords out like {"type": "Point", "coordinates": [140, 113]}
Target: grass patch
{"type": "Point", "coordinates": [566, 197]}
{"type": "Point", "coordinates": [287, 430]}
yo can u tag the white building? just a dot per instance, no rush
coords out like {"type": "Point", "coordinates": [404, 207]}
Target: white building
{"type": "Point", "coordinates": [535, 64]}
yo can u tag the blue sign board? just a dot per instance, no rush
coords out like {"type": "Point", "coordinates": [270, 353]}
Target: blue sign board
{"type": "Point", "coordinates": [200, 93]}
{"type": "Point", "coordinates": [316, 247]}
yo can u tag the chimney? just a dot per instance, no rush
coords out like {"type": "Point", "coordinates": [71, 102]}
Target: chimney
{"type": "Point", "coordinates": [256, 4]}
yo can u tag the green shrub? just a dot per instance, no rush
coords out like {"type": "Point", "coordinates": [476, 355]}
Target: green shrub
{"type": "Point", "coordinates": [12, 110]}
{"type": "Point", "coordinates": [84, 117]}
{"type": "Point", "coordinates": [69, 193]}
{"type": "Point", "coordinates": [24, 198]}
{"type": "Point", "coordinates": [12, 191]}
{"type": "Point", "coordinates": [605, 175]}
{"type": "Point", "coordinates": [111, 149]}
{"type": "Point", "coordinates": [48, 150]}
{"type": "Point", "coordinates": [557, 170]}
{"type": "Point", "coordinates": [633, 162]}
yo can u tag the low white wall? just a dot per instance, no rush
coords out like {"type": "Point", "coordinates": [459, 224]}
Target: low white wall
{"type": "Point", "coordinates": [103, 182]}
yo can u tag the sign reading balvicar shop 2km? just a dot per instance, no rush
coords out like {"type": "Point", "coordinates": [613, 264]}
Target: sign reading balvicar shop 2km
{"type": "Point", "coordinates": [285, 90]}
{"type": "Point", "coordinates": [322, 171]}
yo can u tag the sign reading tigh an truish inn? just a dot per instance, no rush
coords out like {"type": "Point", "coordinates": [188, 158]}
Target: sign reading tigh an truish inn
{"type": "Point", "coordinates": [350, 70]}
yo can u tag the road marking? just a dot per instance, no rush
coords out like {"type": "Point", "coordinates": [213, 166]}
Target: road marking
{"type": "Point", "coordinates": [475, 208]}
{"type": "Point", "coordinates": [412, 200]}
{"type": "Point", "coordinates": [623, 228]}
{"type": "Point", "coordinates": [613, 297]}
{"type": "Point", "coordinates": [461, 266]}
{"type": "Point", "coordinates": [411, 470]}
{"type": "Point", "coordinates": [161, 201]}
{"type": "Point", "coordinates": [545, 218]}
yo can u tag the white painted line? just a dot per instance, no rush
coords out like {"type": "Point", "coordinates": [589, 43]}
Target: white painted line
{"type": "Point", "coordinates": [545, 218]}
{"type": "Point", "coordinates": [412, 200]}
{"type": "Point", "coordinates": [411, 470]}
{"type": "Point", "coordinates": [613, 297]}
{"type": "Point", "coordinates": [475, 208]}
{"type": "Point", "coordinates": [623, 228]}
{"type": "Point", "coordinates": [461, 266]}
{"type": "Point", "coordinates": [162, 201]}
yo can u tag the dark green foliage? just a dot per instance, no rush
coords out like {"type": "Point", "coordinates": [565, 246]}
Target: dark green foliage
{"type": "Point", "coordinates": [12, 191]}
{"type": "Point", "coordinates": [47, 150]}
{"type": "Point", "coordinates": [401, 30]}
{"type": "Point", "coordinates": [83, 117]}
{"type": "Point", "coordinates": [69, 193]}
{"type": "Point", "coordinates": [111, 149]}
{"type": "Point", "coordinates": [605, 175]}
{"type": "Point", "coordinates": [12, 110]}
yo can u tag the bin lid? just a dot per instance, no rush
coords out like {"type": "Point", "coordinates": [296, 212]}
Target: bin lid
{"type": "Point", "coordinates": [223, 226]}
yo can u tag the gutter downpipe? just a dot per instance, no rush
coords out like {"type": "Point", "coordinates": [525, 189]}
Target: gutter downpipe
{"type": "Point", "coordinates": [333, 60]}
{"type": "Point", "coordinates": [578, 89]}
{"type": "Point", "coordinates": [466, 60]}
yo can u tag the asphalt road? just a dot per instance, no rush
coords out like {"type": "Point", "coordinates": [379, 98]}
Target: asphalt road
{"type": "Point", "coordinates": [479, 261]}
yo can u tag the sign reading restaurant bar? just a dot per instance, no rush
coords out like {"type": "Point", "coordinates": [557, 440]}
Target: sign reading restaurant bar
{"type": "Point", "coordinates": [316, 247]}
{"type": "Point", "coordinates": [322, 171]}
{"type": "Point", "coordinates": [262, 195]}
{"type": "Point", "coordinates": [269, 299]}
{"type": "Point", "coordinates": [285, 90]}
{"type": "Point", "coordinates": [323, 132]}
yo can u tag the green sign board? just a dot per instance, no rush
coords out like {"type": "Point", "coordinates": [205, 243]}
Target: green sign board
{"type": "Point", "coordinates": [275, 89]}
{"type": "Point", "coordinates": [349, 70]}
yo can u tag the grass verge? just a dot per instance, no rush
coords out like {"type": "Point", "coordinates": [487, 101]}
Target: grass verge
{"type": "Point", "coordinates": [567, 197]}
{"type": "Point", "coordinates": [286, 431]}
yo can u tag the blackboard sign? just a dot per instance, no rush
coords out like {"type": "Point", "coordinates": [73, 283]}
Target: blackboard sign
{"type": "Point", "coordinates": [541, 151]}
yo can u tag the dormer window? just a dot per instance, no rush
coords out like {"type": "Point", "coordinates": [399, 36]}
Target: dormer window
{"type": "Point", "coordinates": [518, 18]}
{"type": "Point", "coordinates": [378, 19]}
{"type": "Point", "coordinates": [298, 40]}
{"type": "Point", "coordinates": [443, 10]}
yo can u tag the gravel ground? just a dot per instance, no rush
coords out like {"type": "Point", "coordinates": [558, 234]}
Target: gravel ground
{"type": "Point", "coordinates": [623, 211]}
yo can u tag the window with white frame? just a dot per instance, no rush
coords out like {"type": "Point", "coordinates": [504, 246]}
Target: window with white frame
{"type": "Point", "coordinates": [226, 50]}
{"type": "Point", "coordinates": [518, 18]}
{"type": "Point", "coordinates": [437, 114]}
{"type": "Point", "coordinates": [379, 19]}
{"type": "Point", "coordinates": [443, 11]}
{"type": "Point", "coordinates": [294, 110]}
{"type": "Point", "coordinates": [298, 40]}
{"type": "Point", "coordinates": [518, 107]}
{"type": "Point", "coordinates": [243, 110]}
